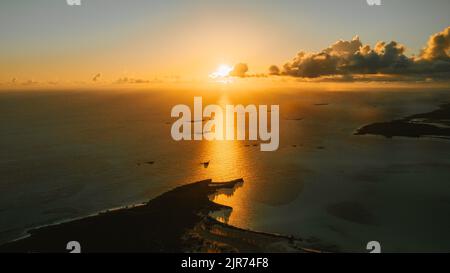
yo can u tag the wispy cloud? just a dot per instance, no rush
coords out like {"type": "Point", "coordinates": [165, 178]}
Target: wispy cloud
{"type": "Point", "coordinates": [127, 80]}
{"type": "Point", "coordinates": [96, 77]}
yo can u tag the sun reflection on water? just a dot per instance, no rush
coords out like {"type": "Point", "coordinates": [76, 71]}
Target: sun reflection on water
{"type": "Point", "coordinates": [229, 160]}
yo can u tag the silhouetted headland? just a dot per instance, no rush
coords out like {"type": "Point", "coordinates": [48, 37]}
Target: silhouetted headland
{"type": "Point", "coordinates": [176, 221]}
{"type": "Point", "coordinates": [432, 124]}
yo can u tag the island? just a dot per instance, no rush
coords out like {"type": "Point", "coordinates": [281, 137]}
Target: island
{"type": "Point", "coordinates": [177, 221]}
{"type": "Point", "coordinates": [432, 124]}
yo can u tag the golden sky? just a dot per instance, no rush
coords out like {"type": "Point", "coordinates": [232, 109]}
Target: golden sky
{"type": "Point", "coordinates": [107, 42]}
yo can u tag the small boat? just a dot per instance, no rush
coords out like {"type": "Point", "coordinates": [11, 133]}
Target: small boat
{"type": "Point", "coordinates": [205, 164]}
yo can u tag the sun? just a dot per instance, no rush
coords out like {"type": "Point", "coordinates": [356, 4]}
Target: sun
{"type": "Point", "coordinates": [221, 72]}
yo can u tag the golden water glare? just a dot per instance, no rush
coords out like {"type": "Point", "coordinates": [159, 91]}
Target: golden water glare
{"type": "Point", "coordinates": [228, 161]}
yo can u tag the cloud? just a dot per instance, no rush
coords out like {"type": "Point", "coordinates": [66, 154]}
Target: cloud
{"type": "Point", "coordinates": [345, 48]}
{"type": "Point", "coordinates": [438, 47]}
{"type": "Point", "coordinates": [385, 58]}
{"type": "Point", "coordinates": [239, 70]}
{"type": "Point", "coordinates": [353, 57]}
{"type": "Point", "coordinates": [126, 80]}
{"type": "Point", "coordinates": [96, 77]}
{"type": "Point", "coordinates": [29, 83]}
{"type": "Point", "coordinates": [274, 70]}
{"type": "Point", "coordinates": [312, 65]}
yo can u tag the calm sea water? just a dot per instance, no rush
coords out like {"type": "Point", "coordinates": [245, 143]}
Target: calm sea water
{"type": "Point", "coordinates": [69, 154]}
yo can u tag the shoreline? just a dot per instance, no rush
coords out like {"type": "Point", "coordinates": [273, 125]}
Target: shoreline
{"type": "Point", "coordinates": [431, 124]}
{"type": "Point", "coordinates": [176, 221]}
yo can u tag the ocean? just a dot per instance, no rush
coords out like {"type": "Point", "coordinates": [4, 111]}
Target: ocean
{"type": "Point", "coordinates": [67, 154]}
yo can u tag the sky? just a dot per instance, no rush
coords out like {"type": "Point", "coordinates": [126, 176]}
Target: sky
{"type": "Point", "coordinates": [47, 40]}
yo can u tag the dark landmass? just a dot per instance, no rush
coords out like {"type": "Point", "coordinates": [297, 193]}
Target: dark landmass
{"type": "Point", "coordinates": [432, 124]}
{"type": "Point", "coordinates": [205, 164]}
{"type": "Point", "coordinates": [147, 162]}
{"type": "Point", "coordinates": [176, 221]}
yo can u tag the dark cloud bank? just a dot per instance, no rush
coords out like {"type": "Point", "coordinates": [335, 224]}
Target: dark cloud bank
{"type": "Point", "coordinates": [349, 58]}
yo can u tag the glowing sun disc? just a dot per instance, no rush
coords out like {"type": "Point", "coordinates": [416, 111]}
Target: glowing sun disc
{"type": "Point", "coordinates": [222, 71]}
